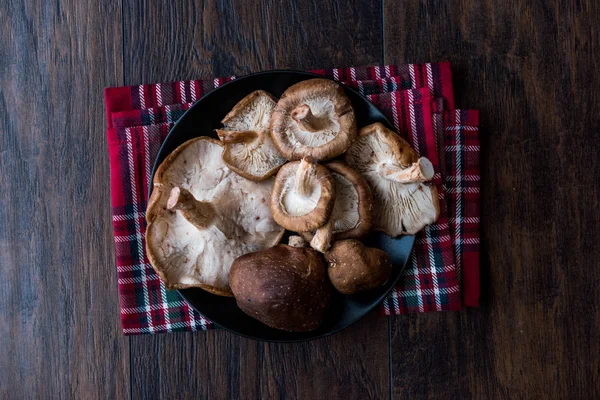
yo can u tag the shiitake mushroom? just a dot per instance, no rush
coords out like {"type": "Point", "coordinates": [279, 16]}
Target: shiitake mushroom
{"type": "Point", "coordinates": [354, 267]}
{"type": "Point", "coordinates": [285, 287]}
{"type": "Point", "coordinates": [313, 118]}
{"type": "Point", "coordinates": [403, 199]}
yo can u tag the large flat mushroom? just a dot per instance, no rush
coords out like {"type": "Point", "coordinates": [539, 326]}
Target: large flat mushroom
{"type": "Point", "coordinates": [404, 204]}
{"type": "Point", "coordinates": [249, 148]}
{"type": "Point", "coordinates": [202, 216]}
{"type": "Point", "coordinates": [352, 215]}
{"type": "Point", "coordinates": [313, 118]}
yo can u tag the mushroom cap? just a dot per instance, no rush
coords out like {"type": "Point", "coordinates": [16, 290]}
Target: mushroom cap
{"type": "Point", "coordinates": [303, 196]}
{"type": "Point", "coordinates": [401, 206]}
{"type": "Point", "coordinates": [249, 148]}
{"type": "Point", "coordinates": [353, 267]}
{"type": "Point", "coordinates": [186, 256]}
{"type": "Point", "coordinates": [284, 287]}
{"type": "Point", "coordinates": [352, 213]}
{"type": "Point", "coordinates": [313, 118]}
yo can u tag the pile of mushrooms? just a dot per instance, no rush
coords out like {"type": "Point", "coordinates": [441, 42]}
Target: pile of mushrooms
{"type": "Point", "coordinates": [217, 212]}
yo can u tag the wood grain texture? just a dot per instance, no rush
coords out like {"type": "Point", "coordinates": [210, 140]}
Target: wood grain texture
{"type": "Point", "coordinates": [176, 40]}
{"type": "Point", "coordinates": [167, 41]}
{"type": "Point", "coordinates": [219, 365]}
{"type": "Point", "coordinates": [425, 362]}
{"type": "Point", "coordinates": [59, 305]}
{"type": "Point", "coordinates": [530, 68]}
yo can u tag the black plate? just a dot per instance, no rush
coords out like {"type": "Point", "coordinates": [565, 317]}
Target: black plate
{"type": "Point", "coordinates": [202, 119]}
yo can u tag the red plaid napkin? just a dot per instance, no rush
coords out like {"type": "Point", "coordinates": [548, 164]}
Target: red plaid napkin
{"type": "Point", "coordinates": [413, 96]}
{"type": "Point", "coordinates": [461, 140]}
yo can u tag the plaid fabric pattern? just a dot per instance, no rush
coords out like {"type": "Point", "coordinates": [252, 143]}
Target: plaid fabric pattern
{"type": "Point", "coordinates": [435, 76]}
{"type": "Point", "coordinates": [430, 281]}
{"type": "Point", "coordinates": [151, 116]}
{"type": "Point", "coordinates": [139, 118]}
{"type": "Point", "coordinates": [462, 185]}
{"type": "Point", "coordinates": [146, 306]}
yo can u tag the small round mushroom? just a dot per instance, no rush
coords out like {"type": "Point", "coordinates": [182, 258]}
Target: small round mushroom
{"type": "Point", "coordinates": [202, 216]}
{"type": "Point", "coordinates": [352, 215]}
{"type": "Point", "coordinates": [284, 287]}
{"type": "Point", "coordinates": [403, 203]}
{"type": "Point", "coordinates": [303, 196]}
{"type": "Point", "coordinates": [313, 118]}
{"type": "Point", "coordinates": [353, 267]}
{"type": "Point", "coordinates": [249, 148]}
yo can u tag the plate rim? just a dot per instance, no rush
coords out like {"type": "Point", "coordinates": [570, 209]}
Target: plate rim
{"type": "Point", "coordinates": [157, 164]}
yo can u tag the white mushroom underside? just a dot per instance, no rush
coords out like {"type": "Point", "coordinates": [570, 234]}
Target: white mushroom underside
{"type": "Point", "coordinates": [255, 116]}
{"type": "Point", "coordinates": [402, 208]}
{"type": "Point", "coordinates": [257, 160]}
{"type": "Point", "coordinates": [195, 256]}
{"type": "Point", "coordinates": [345, 210]}
{"type": "Point", "coordinates": [295, 204]}
{"type": "Point", "coordinates": [322, 109]}
{"type": "Point", "coordinates": [399, 207]}
{"type": "Point", "coordinates": [368, 154]}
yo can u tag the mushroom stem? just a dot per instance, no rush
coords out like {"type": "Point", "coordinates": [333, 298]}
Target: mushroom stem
{"type": "Point", "coordinates": [420, 171]}
{"type": "Point", "coordinates": [296, 241]}
{"type": "Point", "coordinates": [306, 119]}
{"type": "Point", "coordinates": [303, 174]}
{"type": "Point", "coordinates": [232, 137]}
{"type": "Point", "coordinates": [322, 239]}
{"type": "Point", "coordinates": [198, 213]}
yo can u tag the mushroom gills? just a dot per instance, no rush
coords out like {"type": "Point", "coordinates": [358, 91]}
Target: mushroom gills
{"type": "Point", "coordinates": [313, 118]}
{"type": "Point", "coordinates": [201, 217]}
{"type": "Point", "coordinates": [391, 157]}
{"type": "Point", "coordinates": [313, 123]}
{"type": "Point", "coordinates": [409, 207]}
{"type": "Point", "coordinates": [345, 210]}
{"type": "Point", "coordinates": [253, 114]}
{"type": "Point", "coordinates": [344, 216]}
{"type": "Point", "coordinates": [249, 148]}
{"type": "Point", "coordinates": [258, 156]}
{"type": "Point", "coordinates": [395, 173]}
{"type": "Point", "coordinates": [352, 214]}
{"type": "Point", "coordinates": [182, 247]}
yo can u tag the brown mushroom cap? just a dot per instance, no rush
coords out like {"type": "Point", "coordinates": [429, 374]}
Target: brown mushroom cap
{"type": "Point", "coordinates": [403, 203]}
{"type": "Point", "coordinates": [303, 196]}
{"type": "Point", "coordinates": [284, 287]}
{"type": "Point", "coordinates": [202, 216]}
{"type": "Point", "coordinates": [353, 267]}
{"type": "Point", "coordinates": [352, 213]}
{"type": "Point", "coordinates": [249, 148]}
{"type": "Point", "coordinates": [313, 118]}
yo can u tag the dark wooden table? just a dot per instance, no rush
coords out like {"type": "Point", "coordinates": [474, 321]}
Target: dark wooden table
{"type": "Point", "coordinates": [531, 67]}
